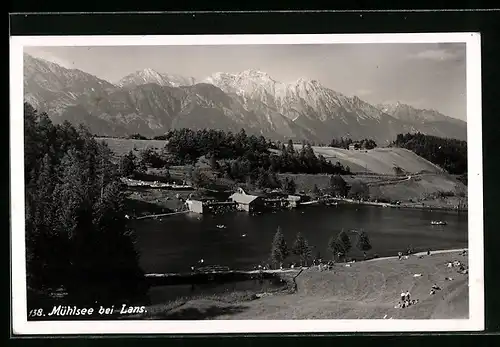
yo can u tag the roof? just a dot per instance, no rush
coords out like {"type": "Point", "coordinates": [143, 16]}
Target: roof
{"type": "Point", "coordinates": [243, 198]}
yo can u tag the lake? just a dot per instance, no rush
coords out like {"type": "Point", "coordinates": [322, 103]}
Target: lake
{"type": "Point", "coordinates": [176, 243]}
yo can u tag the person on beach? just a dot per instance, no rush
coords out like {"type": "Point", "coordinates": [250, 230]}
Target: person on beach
{"type": "Point", "coordinates": [400, 254]}
{"type": "Point", "coordinates": [407, 296]}
{"type": "Point", "coordinates": [403, 296]}
{"type": "Point", "coordinates": [429, 252]}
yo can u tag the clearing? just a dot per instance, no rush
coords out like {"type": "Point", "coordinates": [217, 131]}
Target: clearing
{"type": "Point", "coordinates": [123, 146]}
{"type": "Point", "coordinates": [379, 161]}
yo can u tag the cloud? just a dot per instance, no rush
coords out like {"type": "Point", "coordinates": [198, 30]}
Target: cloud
{"type": "Point", "coordinates": [437, 55]}
{"type": "Point", "coordinates": [362, 92]}
{"type": "Point", "coordinates": [49, 56]}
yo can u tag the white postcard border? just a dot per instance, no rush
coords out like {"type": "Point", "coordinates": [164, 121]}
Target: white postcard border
{"type": "Point", "coordinates": [475, 322]}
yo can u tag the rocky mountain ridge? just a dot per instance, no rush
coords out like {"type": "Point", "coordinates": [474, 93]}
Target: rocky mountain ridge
{"type": "Point", "coordinates": [151, 103]}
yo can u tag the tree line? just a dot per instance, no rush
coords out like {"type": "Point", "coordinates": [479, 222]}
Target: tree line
{"type": "Point", "coordinates": [256, 152]}
{"type": "Point", "coordinates": [239, 157]}
{"type": "Point", "coordinates": [345, 142]}
{"type": "Point", "coordinates": [450, 154]}
{"type": "Point", "coordinates": [339, 245]}
{"type": "Point", "coordinates": [77, 238]}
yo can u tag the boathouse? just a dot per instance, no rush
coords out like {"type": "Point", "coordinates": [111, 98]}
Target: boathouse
{"type": "Point", "coordinates": [202, 206]}
{"type": "Point", "coordinates": [246, 202]}
{"type": "Point", "coordinates": [293, 200]}
{"type": "Point", "coordinates": [195, 206]}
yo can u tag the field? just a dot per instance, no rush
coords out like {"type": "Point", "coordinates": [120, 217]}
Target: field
{"type": "Point", "coordinates": [437, 190]}
{"type": "Point", "coordinates": [123, 146]}
{"type": "Point", "coordinates": [379, 160]}
{"type": "Point", "coordinates": [365, 290]}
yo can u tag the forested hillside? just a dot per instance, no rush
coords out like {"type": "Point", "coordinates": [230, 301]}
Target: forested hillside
{"type": "Point", "coordinates": [450, 154]}
{"type": "Point", "coordinates": [76, 232]}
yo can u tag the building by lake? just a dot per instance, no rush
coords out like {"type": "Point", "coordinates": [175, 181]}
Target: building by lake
{"type": "Point", "coordinates": [246, 202]}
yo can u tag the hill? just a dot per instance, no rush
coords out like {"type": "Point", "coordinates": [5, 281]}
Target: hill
{"type": "Point", "coordinates": [378, 160]}
{"type": "Point", "coordinates": [421, 183]}
{"type": "Point", "coordinates": [451, 154]}
{"type": "Point", "coordinates": [365, 290]}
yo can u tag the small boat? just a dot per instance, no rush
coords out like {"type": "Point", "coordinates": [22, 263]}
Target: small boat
{"type": "Point", "coordinates": [244, 235]}
{"type": "Point", "coordinates": [221, 226]}
{"type": "Point", "coordinates": [438, 222]}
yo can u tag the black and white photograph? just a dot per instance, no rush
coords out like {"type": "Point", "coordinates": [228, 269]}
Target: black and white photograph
{"type": "Point", "coordinates": [246, 183]}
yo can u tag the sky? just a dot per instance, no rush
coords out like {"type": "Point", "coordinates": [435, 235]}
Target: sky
{"type": "Point", "coordinates": [424, 75]}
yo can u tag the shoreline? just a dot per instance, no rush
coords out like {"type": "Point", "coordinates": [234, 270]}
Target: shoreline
{"type": "Point", "coordinates": [418, 254]}
{"type": "Point", "coordinates": [314, 203]}
{"type": "Point", "coordinates": [247, 296]}
{"type": "Point", "coordinates": [403, 205]}
{"type": "Point", "coordinates": [315, 286]}
{"type": "Point", "coordinates": [298, 268]}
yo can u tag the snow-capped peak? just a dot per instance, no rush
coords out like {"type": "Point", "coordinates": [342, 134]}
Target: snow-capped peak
{"type": "Point", "coordinates": [143, 76]}
{"type": "Point", "coordinates": [149, 75]}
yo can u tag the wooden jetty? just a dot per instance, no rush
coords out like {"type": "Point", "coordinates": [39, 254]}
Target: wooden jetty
{"type": "Point", "coordinates": [215, 276]}
{"type": "Point", "coordinates": [161, 215]}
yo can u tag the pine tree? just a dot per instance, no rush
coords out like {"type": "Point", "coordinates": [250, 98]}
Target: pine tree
{"type": "Point", "coordinates": [75, 232]}
{"type": "Point", "coordinates": [316, 191]}
{"type": "Point", "coordinates": [338, 186]}
{"type": "Point", "coordinates": [359, 190]}
{"type": "Point", "coordinates": [335, 247]}
{"type": "Point", "coordinates": [302, 249]}
{"type": "Point", "coordinates": [363, 242]}
{"type": "Point", "coordinates": [115, 242]}
{"type": "Point", "coordinates": [279, 250]}
{"type": "Point", "coordinates": [127, 164]}
{"type": "Point", "coordinates": [345, 242]}
{"type": "Point", "coordinates": [289, 186]}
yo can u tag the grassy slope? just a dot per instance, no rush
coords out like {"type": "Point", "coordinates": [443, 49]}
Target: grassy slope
{"type": "Point", "coordinates": [375, 167]}
{"type": "Point", "coordinates": [367, 290]}
{"type": "Point", "coordinates": [420, 188]}
{"type": "Point", "coordinates": [379, 160]}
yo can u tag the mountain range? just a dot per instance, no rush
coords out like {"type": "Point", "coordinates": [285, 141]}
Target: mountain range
{"type": "Point", "coordinates": [151, 103]}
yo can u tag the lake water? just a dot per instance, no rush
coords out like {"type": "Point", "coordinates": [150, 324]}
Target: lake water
{"type": "Point", "coordinates": [162, 294]}
{"type": "Point", "coordinates": [176, 243]}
